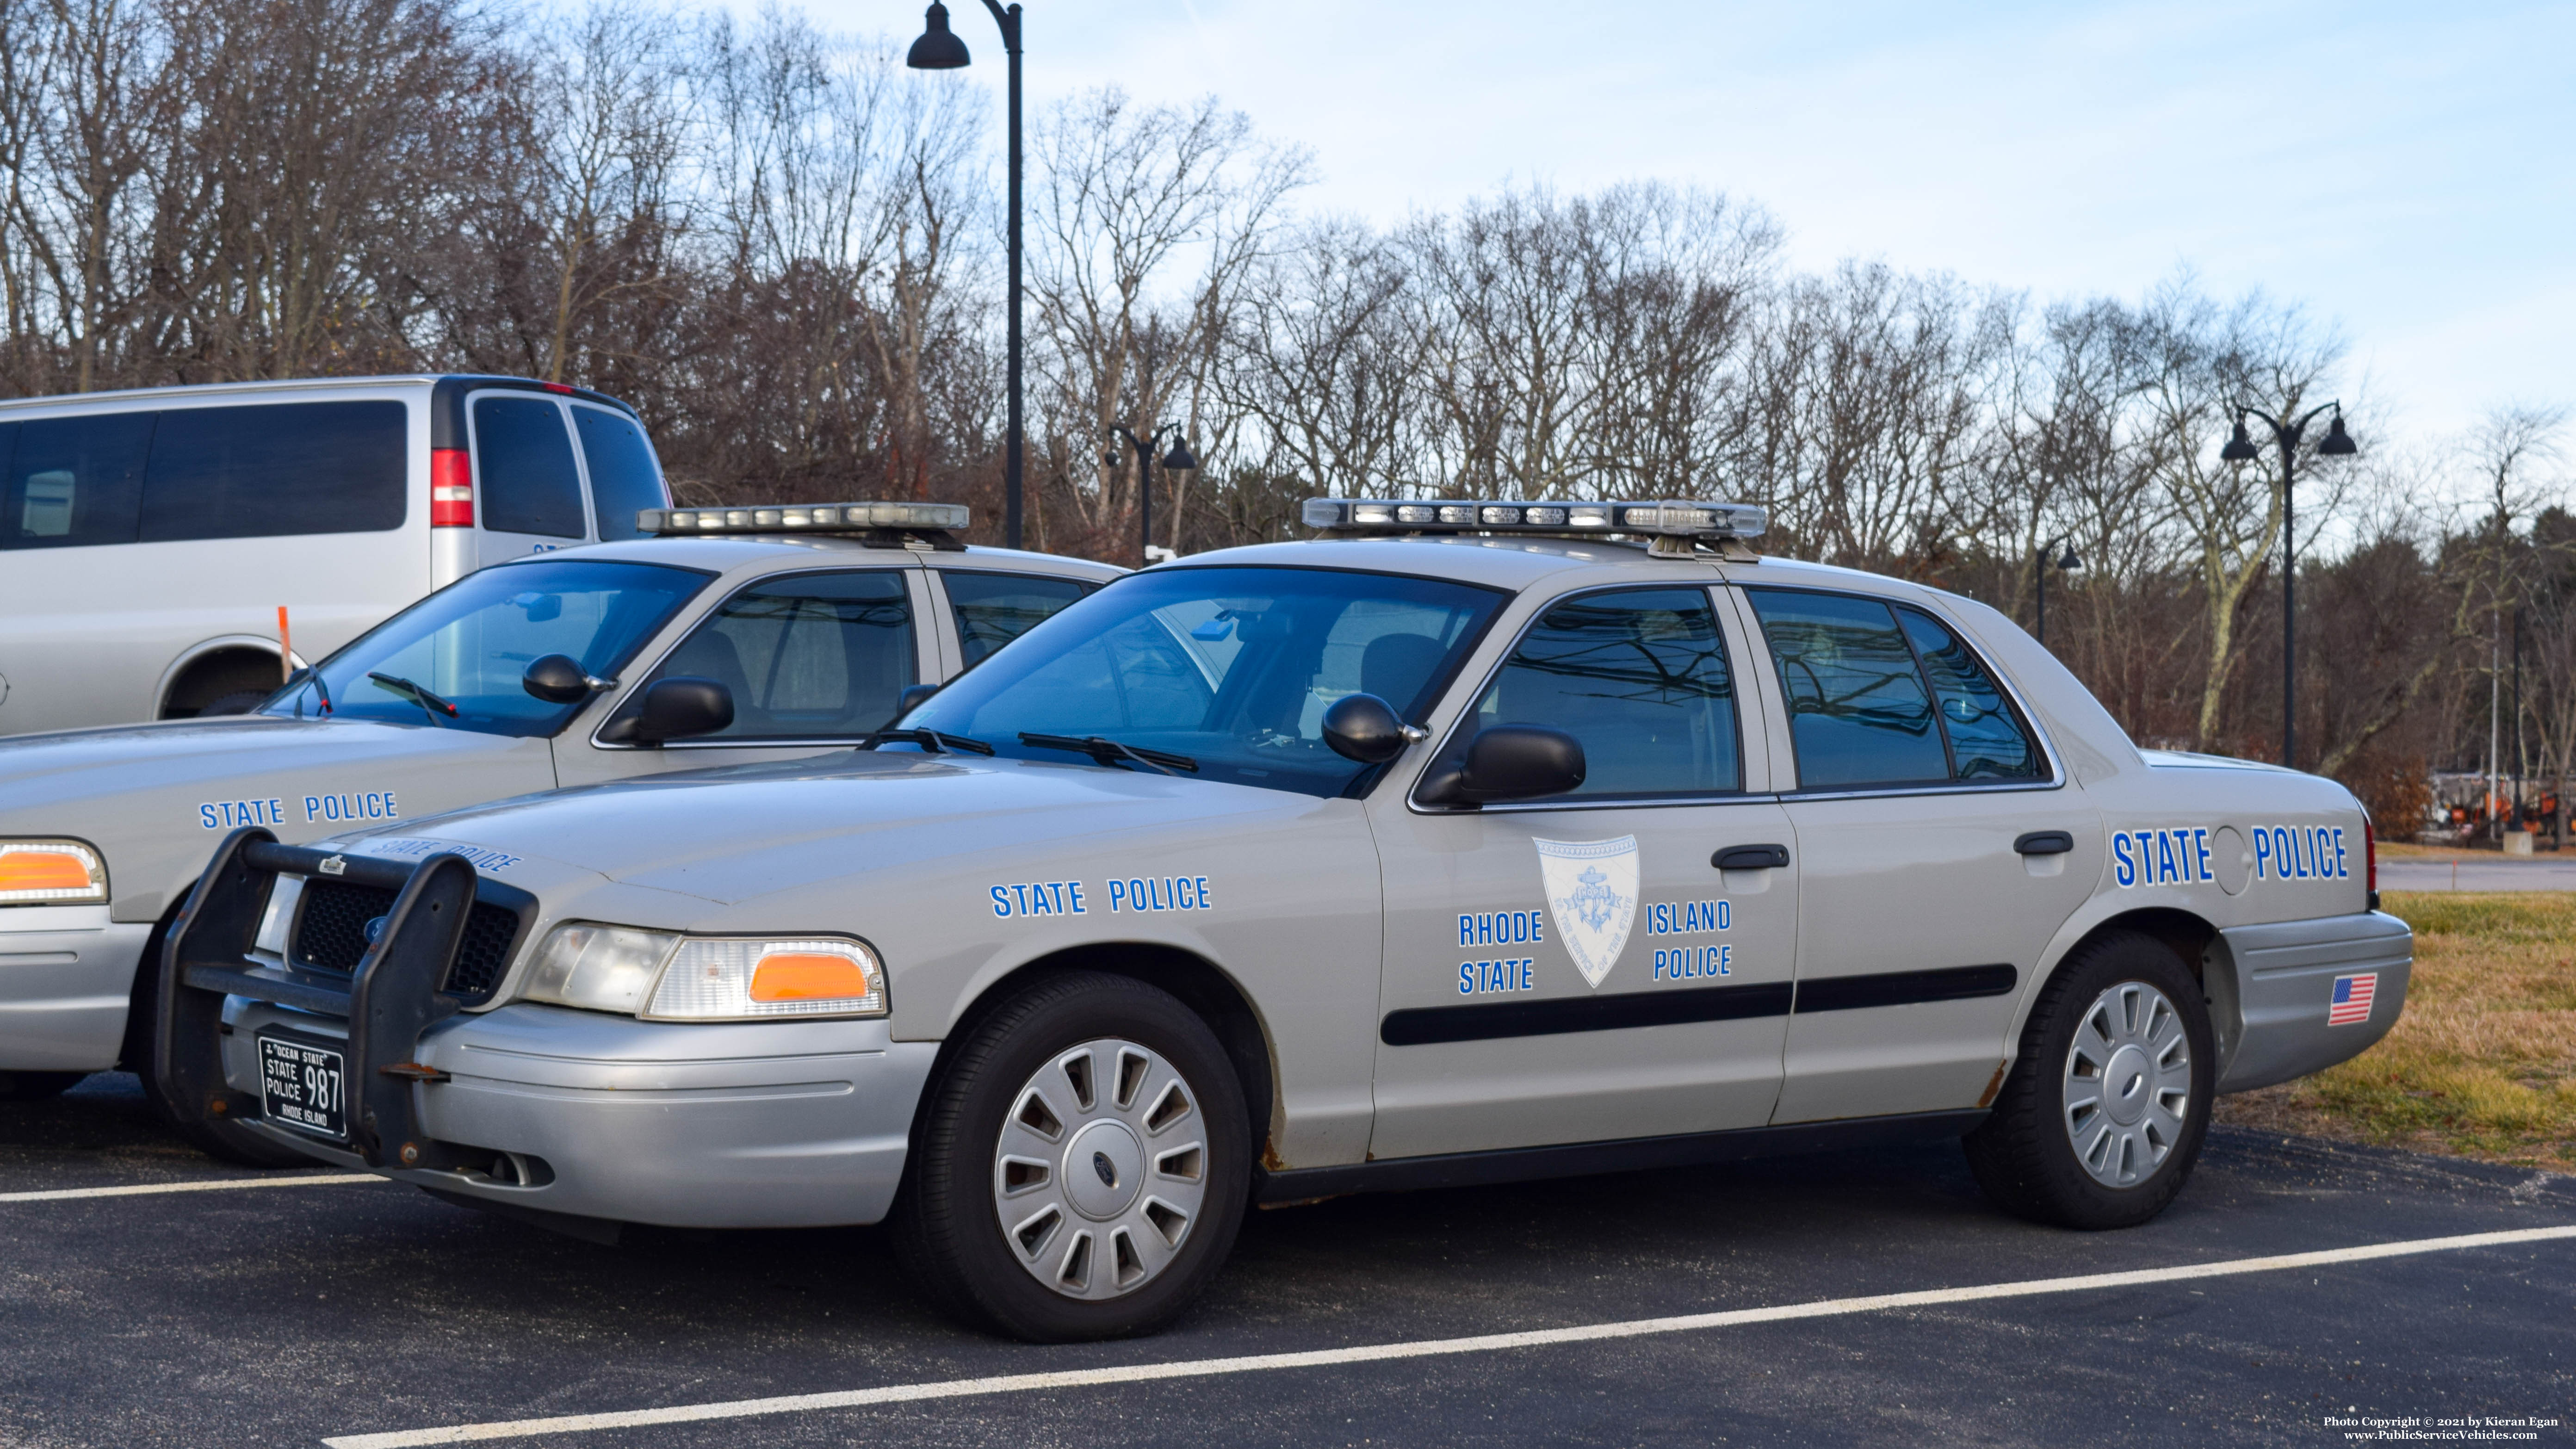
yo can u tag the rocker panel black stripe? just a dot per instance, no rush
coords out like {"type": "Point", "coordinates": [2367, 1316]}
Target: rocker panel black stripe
{"type": "Point", "coordinates": [1488, 1021]}
{"type": "Point", "coordinates": [1904, 988]}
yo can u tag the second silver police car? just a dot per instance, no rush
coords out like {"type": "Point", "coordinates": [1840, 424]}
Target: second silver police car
{"type": "Point", "coordinates": [1465, 843]}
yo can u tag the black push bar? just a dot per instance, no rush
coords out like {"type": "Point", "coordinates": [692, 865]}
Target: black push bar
{"type": "Point", "coordinates": [394, 993]}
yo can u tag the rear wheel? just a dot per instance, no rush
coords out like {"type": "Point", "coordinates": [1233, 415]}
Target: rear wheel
{"type": "Point", "coordinates": [37, 1086]}
{"type": "Point", "coordinates": [2101, 1118]}
{"type": "Point", "coordinates": [1082, 1165]}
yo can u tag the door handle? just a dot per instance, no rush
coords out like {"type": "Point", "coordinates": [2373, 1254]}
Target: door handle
{"type": "Point", "coordinates": [2045, 842]}
{"type": "Point", "coordinates": [1751, 857]}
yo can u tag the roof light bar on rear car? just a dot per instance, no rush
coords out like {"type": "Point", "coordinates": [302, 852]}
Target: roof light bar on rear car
{"type": "Point", "coordinates": [1665, 518]}
{"type": "Point", "coordinates": [806, 518]}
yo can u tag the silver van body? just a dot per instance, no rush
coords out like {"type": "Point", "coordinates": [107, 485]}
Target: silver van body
{"type": "Point", "coordinates": [148, 538]}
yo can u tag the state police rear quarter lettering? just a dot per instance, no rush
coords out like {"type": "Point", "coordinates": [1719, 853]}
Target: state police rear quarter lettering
{"type": "Point", "coordinates": [2181, 856]}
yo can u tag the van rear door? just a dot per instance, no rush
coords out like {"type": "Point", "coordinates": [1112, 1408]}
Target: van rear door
{"type": "Point", "coordinates": [527, 486]}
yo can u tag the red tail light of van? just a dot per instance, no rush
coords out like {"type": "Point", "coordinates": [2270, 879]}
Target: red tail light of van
{"type": "Point", "coordinates": [451, 488]}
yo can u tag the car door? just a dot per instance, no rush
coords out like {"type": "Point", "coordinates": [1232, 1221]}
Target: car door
{"type": "Point", "coordinates": [814, 660]}
{"type": "Point", "coordinates": [1941, 848]}
{"type": "Point", "coordinates": [527, 486]}
{"type": "Point", "coordinates": [1581, 968]}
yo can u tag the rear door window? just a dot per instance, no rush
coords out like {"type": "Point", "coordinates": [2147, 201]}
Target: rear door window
{"type": "Point", "coordinates": [74, 481]}
{"type": "Point", "coordinates": [1884, 695]}
{"type": "Point", "coordinates": [993, 609]}
{"type": "Point", "coordinates": [808, 656]}
{"type": "Point", "coordinates": [278, 468]}
{"type": "Point", "coordinates": [623, 478]}
{"type": "Point", "coordinates": [527, 482]}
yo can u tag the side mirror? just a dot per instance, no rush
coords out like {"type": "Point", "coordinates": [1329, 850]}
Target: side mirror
{"type": "Point", "coordinates": [1509, 762]}
{"type": "Point", "coordinates": [556, 679]}
{"type": "Point", "coordinates": [1364, 727]}
{"type": "Point", "coordinates": [911, 698]}
{"type": "Point", "coordinates": [677, 708]}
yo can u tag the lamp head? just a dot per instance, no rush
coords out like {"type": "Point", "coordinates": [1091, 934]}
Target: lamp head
{"type": "Point", "coordinates": [1180, 459]}
{"type": "Point", "coordinates": [2338, 443]}
{"type": "Point", "coordinates": [2240, 448]}
{"type": "Point", "coordinates": [2069, 562]}
{"type": "Point", "coordinates": [938, 48]}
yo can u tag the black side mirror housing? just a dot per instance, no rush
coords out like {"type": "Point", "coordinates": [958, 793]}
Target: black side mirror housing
{"type": "Point", "coordinates": [556, 679]}
{"type": "Point", "coordinates": [681, 706]}
{"type": "Point", "coordinates": [1365, 728]}
{"type": "Point", "coordinates": [911, 698]}
{"type": "Point", "coordinates": [1509, 762]}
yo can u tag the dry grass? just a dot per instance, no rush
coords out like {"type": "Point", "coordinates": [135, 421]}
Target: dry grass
{"type": "Point", "coordinates": [2483, 1062]}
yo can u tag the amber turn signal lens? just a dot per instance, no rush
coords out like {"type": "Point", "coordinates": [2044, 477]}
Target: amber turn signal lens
{"type": "Point", "coordinates": [808, 977]}
{"type": "Point", "coordinates": [40, 872]}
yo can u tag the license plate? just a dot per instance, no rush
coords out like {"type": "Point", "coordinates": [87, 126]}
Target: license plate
{"type": "Point", "coordinates": [300, 1086]}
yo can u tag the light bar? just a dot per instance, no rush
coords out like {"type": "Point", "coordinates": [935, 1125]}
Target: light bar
{"type": "Point", "coordinates": [803, 518]}
{"type": "Point", "coordinates": [1668, 518]}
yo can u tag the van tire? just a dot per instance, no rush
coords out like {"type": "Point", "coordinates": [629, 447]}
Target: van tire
{"type": "Point", "coordinates": [2026, 1154]}
{"type": "Point", "coordinates": [947, 1221]}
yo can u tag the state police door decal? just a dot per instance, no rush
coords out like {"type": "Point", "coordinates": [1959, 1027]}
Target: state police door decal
{"type": "Point", "coordinates": [1592, 892]}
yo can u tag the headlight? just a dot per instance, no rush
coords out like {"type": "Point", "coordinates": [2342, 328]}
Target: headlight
{"type": "Point", "coordinates": [604, 968]}
{"type": "Point", "coordinates": [50, 872]}
{"type": "Point", "coordinates": [737, 978]}
{"type": "Point", "coordinates": [708, 978]}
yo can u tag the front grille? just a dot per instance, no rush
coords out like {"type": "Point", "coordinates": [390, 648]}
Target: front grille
{"type": "Point", "coordinates": [331, 934]}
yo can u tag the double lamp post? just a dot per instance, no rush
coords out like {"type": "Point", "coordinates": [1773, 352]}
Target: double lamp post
{"type": "Point", "coordinates": [2241, 449]}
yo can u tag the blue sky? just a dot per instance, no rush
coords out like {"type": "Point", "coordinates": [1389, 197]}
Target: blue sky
{"type": "Point", "coordinates": [2405, 172]}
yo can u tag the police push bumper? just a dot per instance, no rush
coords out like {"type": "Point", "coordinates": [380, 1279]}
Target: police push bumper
{"type": "Point", "coordinates": [333, 1096]}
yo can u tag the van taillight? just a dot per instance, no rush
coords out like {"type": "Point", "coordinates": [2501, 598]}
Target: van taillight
{"type": "Point", "coordinates": [451, 488]}
{"type": "Point", "coordinates": [2370, 847]}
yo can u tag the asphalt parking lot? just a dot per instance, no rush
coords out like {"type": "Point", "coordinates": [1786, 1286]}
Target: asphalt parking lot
{"type": "Point", "coordinates": [368, 1313]}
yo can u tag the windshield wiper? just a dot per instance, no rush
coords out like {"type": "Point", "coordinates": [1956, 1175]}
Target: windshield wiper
{"type": "Point", "coordinates": [430, 704]}
{"type": "Point", "coordinates": [1109, 752]}
{"type": "Point", "coordinates": [931, 741]}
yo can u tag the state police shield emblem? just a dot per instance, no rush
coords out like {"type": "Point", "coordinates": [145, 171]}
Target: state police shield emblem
{"type": "Point", "coordinates": [1592, 892]}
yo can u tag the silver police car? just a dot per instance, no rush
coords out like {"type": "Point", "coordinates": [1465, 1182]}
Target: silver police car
{"type": "Point", "coordinates": [1470, 841]}
{"type": "Point", "coordinates": [564, 668]}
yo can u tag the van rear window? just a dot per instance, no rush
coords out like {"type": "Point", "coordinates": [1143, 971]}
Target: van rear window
{"type": "Point", "coordinates": [623, 480]}
{"type": "Point", "coordinates": [276, 468]}
{"type": "Point", "coordinates": [72, 481]}
{"type": "Point", "coordinates": [523, 459]}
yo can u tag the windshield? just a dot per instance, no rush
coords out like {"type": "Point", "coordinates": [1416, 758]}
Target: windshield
{"type": "Point", "coordinates": [1232, 668]}
{"type": "Point", "coordinates": [469, 644]}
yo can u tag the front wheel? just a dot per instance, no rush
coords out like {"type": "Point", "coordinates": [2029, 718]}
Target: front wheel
{"type": "Point", "coordinates": [2101, 1118]}
{"type": "Point", "coordinates": [1082, 1165]}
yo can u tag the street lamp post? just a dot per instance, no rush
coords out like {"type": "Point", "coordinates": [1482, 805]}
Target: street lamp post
{"type": "Point", "coordinates": [2241, 449]}
{"type": "Point", "coordinates": [2064, 562]}
{"type": "Point", "coordinates": [1178, 460]}
{"type": "Point", "coordinates": [940, 49]}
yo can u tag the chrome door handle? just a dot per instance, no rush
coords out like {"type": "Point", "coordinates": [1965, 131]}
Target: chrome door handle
{"type": "Point", "coordinates": [2045, 842]}
{"type": "Point", "coordinates": [1751, 857]}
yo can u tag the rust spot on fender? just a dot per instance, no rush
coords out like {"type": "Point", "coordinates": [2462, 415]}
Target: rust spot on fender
{"type": "Point", "coordinates": [1994, 1085]}
{"type": "Point", "coordinates": [1271, 1161]}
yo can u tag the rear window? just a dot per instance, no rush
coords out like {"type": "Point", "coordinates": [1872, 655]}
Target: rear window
{"type": "Point", "coordinates": [523, 462]}
{"type": "Point", "coordinates": [73, 481]}
{"type": "Point", "coordinates": [994, 609]}
{"type": "Point", "coordinates": [276, 468]}
{"type": "Point", "coordinates": [623, 480]}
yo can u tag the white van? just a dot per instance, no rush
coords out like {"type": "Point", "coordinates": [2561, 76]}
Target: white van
{"type": "Point", "coordinates": [149, 538]}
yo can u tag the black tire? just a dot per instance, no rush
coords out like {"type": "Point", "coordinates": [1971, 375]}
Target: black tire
{"type": "Point", "coordinates": [946, 1224]}
{"type": "Point", "coordinates": [37, 1086]}
{"type": "Point", "coordinates": [2026, 1156]}
{"type": "Point", "coordinates": [240, 701]}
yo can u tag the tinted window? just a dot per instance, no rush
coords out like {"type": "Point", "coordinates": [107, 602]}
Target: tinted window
{"type": "Point", "coordinates": [1640, 677]}
{"type": "Point", "coordinates": [1232, 667]}
{"type": "Point", "coordinates": [523, 464]}
{"type": "Point", "coordinates": [278, 468]}
{"type": "Point", "coordinates": [812, 656]}
{"type": "Point", "coordinates": [1858, 711]}
{"type": "Point", "coordinates": [75, 481]}
{"type": "Point", "coordinates": [471, 644]}
{"type": "Point", "coordinates": [994, 609]}
{"type": "Point", "coordinates": [1987, 741]}
{"type": "Point", "coordinates": [623, 480]}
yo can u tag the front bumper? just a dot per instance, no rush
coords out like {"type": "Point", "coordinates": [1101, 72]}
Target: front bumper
{"type": "Point", "coordinates": [66, 976]}
{"type": "Point", "coordinates": [722, 1125]}
{"type": "Point", "coordinates": [2282, 976]}
{"type": "Point", "coordinates": [571, 1116]}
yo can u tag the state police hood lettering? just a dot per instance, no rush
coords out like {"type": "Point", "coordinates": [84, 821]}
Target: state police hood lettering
{"type": "Point", "coordinates": [1592, 892]}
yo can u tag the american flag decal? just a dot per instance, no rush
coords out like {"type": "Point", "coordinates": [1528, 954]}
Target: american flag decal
{"type": "Point", "coordinates": [2352, 998]}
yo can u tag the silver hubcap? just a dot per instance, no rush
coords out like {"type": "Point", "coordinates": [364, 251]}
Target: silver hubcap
{"type": "Point", "coordinates": [1101, 1169]}
{"type": "Point", "coordinates": [2128, 1084]}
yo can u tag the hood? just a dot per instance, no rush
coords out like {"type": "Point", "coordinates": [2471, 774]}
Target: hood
{"type": "Point", "coordinates": [40, 772]}
{"type": "Point", "coordinates": [738, 834]}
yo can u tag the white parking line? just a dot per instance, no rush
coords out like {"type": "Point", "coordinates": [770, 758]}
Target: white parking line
{"type": "Point", "coordinates": [1378, 1353]}
{"type": "Point", "coordinates": [150, 1189]}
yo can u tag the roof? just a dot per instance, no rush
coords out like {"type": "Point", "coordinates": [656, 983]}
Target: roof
{"type": "Point", "coordinates": [1518, 561]}
{"type": "Point", "coordinates": [732, 551]}
{"type": "Point", "coordinates": [309, 384]}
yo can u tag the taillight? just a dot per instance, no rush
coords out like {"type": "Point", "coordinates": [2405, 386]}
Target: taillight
{"type": "Point", "coordinates": [451, 488]}
{"type": "Point", "coordinates": [2370, 850]}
